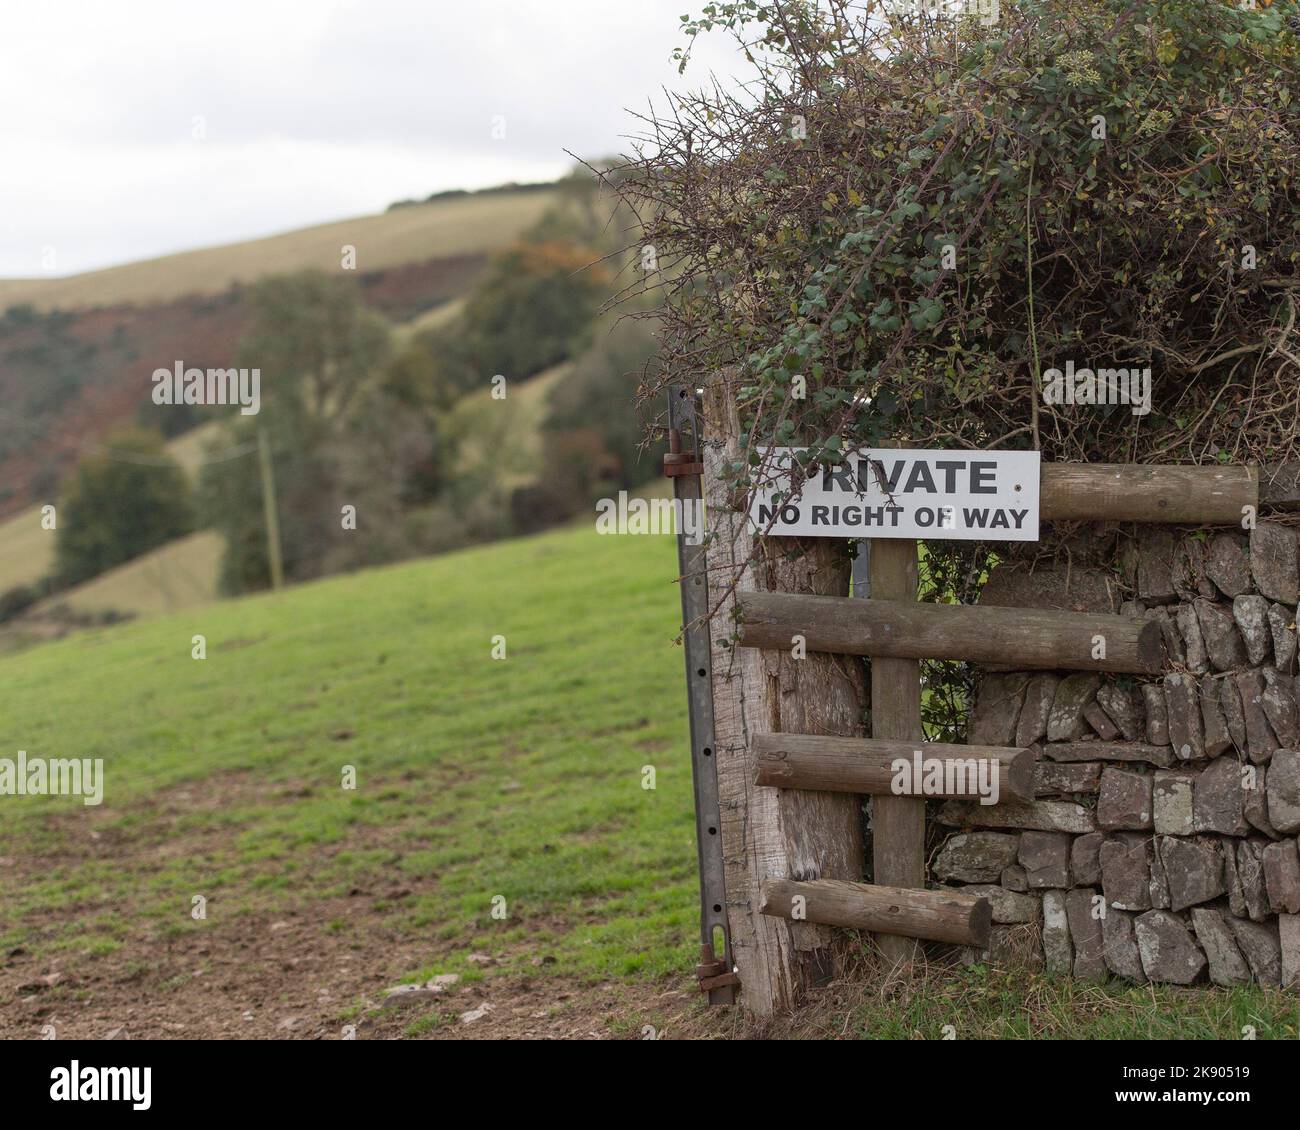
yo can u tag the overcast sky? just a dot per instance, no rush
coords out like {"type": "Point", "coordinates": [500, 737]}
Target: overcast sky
{"type": "Point", "coordinates": [134, 129]}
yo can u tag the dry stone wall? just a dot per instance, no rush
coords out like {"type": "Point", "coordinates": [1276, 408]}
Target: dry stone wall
{"type": "Point", "coordinates": [1162, 841]}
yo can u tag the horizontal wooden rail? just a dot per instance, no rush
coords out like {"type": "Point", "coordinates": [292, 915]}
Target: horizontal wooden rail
{"type": "Point", "coordinates": [1129, 492]}
{"type": "Point", "coordinates": [866, 765]}
{"type": "Point", "coordinates": [937, 916]}
{"type": "Point", "coordinates": [1016, 637]}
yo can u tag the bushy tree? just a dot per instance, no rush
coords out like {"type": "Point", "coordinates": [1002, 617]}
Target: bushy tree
{"type": "Point", "coordinates": [320, 352]}
{"type": "Point", "coordinates": [597, 394]}
{"type": "Point", "coordinates": [120, 503]}
{"type": "Point", "coordinates": [909, 216]}
{"type": "Point", "coordinates": [532, 309]}
{"type": "Point", "coordinates": [315, 344]}
{"type": "Point", "coordinates": [913, 213]}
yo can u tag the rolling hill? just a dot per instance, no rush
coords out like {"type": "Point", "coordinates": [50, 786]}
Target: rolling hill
{"type": "Point", "coordinates": [77, 354]}
{"type": "Point", "coordinates": [184, 574]}
{"type": "Point", "coordinates": [441, 229]}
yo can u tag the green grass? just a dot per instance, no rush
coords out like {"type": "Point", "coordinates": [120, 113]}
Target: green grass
{"type": "Point", "coordinates": [476, 777]}
{"type": "Point", "coordinates": [980, 1003]}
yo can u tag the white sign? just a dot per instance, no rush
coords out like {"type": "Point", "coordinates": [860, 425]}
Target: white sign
{"type": "Point", "coordinates": [897, 493]}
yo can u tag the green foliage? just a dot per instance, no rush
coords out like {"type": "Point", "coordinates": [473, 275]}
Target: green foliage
{"type": "Point", "coordinates": [315, 344]}
{"type": "Point", "coordinates": [597, 396]}
{"type": "Point", "coordinates": [43, 365]}
{"type": "Point", "coordinates": [119, 504]}
{"type": "Point", "coordinates": [337, 438]}
{"type": "Point", "coordinates": [905, 220]}
{"type": "Point", "coordinates": [809, 218]}
{"type": "Point", "coordinates": [16, 600]}
{"type": "Point", "coordinates": [530, 311]}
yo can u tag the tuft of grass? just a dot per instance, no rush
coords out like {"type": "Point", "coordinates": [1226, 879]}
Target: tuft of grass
{"type": "Point", "coordinates": [979, 1002]}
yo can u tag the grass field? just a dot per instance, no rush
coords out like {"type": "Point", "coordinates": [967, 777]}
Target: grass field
{"type": "Point", "coordinates": [179, 575]}
{"type": "Point", "coordinates": [512, 783]}
{"type": "Point", "coordinates": [26, 550]}
{"type": "Point", "coordinates": [458, 226]}
{"type": "Point", "coordinates": [476, 777]}
{"type": "Point", "coordinates": [434, 319]}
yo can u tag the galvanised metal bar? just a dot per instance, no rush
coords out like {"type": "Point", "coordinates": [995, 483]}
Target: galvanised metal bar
{"type": "Point", "coordinates": [716, 971]}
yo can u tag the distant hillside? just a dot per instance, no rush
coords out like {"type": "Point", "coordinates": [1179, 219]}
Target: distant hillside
{"type": "Point", "coordinates": [474, 224]}
{"type": "Point", "coordinates": [184, 573]}
{"type": "Point", "coordinates": [69, 377]}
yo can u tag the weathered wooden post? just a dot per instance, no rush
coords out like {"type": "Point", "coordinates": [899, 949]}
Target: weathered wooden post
{"type": "Point", "coordinates": [897, 823]}
{"type": "Point", "coordinates": [773, 832]}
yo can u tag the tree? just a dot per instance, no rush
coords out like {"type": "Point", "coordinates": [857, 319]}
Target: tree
{"type": "Point", "coordinates": [315, 344]}
{"type": "Point", "coordinates": [119, 504]}
{"type": "Point", "coordinates": [597, 395]}
{"type": "Point", "coordinates": [531, 310]}
{"type": "Point", "coordinates": [907, 219]}
{"type": "Point", "coordinates": [320, 352]}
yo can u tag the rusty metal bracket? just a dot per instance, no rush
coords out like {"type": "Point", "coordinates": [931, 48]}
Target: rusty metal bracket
{"type": "Point", "coordinates": [715, 972]}
{"type": "Point", "coordinates": [676, 461]}
{"type": "Point", "coordinates": [674, 469]}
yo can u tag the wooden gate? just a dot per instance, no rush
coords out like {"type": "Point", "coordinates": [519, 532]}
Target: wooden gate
{"type": "Point", "coordinates": [791, 757]}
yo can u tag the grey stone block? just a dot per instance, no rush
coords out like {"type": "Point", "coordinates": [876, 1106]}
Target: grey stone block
{"type": "Point", "coordinates": [1124, 801]}
{"type": "Point", "coordinates": [1172, 802]}
{"type": "Point", "coordinates": [1126, 873]}
{"type": "Point", "coordinates": [1274, 562]}
{"type": "Point", "coordinates": [1227, 965]}
{"type": "Point", "coordinates": [1169, 954]}
{"type": "Point", "coordinates": [1193, 870]}
{"type": "Point", "coordinates": [1065, 721]}
{"type": "Point", "coordinates": [1058, 949]}
{"type": "Point", "coordinates": [975, 857]}
{"type": "Point", "coordinates": [1045, 856]}
{"type": "Point", "coordinates": [1251, 614]}
{"type": "Point", "coordinates": [1119, 940]}
{"type": "Point", "coordinates": [1227, 564]}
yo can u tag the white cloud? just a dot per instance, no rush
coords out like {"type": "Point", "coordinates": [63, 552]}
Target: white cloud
{"type": "Point", "coordinates": [313, 110]}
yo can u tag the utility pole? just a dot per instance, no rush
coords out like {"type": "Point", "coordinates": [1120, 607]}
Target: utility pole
{"type": "Point", "coordinates": [269, 509]}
